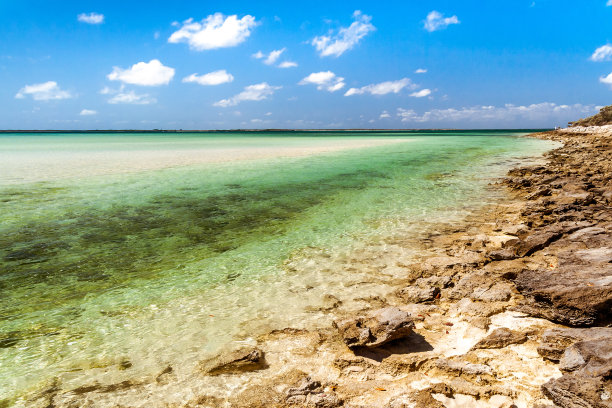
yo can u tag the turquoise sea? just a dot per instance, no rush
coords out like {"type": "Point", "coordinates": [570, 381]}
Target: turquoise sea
{"type": "Point", "coordinates": [123, 253]}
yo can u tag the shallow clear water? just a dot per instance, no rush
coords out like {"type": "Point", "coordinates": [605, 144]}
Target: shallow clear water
{"type": "Point", "coordinates": [155, 248]}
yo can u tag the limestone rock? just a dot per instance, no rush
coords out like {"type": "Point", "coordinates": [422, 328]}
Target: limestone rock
{"type": "Point", "coordinates": [419, 399]}
{"type": "Point", "coordinates": [502, 254]}
{"type": "Point", "coordinates": [576, 391]}
{"type": "Point", "coordinates": [500, 338]}
{"type": "Point", "coordinates": [310, 393]}
{"type": "Point", "coordinates": [414, 294]}
{"type": "Point", "coordinates": [375, 328]}
{"type": "Point", "coordinates": [243, 360]}
{"type": "Point", "coordinates": [570, 294]}
{"type": "Point", "coordinates": [592, 358]}
{"type": "Point", "coordinates": [459, 367]}
{"type": "Point", "coordinates": [577, 291]}
{"type": "Point", "coordinates": [554, 342]}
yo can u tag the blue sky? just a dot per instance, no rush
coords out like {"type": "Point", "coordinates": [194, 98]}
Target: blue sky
{"type": "Point", "coordinates": [323, 64]}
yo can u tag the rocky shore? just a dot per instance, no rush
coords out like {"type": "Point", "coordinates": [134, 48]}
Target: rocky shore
{"type": "Point", "coordinates": [510, 309]}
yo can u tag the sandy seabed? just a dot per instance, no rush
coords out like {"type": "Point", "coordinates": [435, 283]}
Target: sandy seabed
{"type": "Point", "coordinates": [17, 167]}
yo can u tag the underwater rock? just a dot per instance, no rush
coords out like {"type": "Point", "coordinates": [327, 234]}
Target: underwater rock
{"type": "Point", "coordinates": [236, 362]}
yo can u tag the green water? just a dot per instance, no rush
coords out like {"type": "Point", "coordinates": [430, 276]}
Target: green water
{"type": "Point", "coordinates": [157, 264]}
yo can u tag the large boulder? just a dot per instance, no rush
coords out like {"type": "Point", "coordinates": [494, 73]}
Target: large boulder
{"type": "Point", "coordinates": [576, 292]}
{"type": "Point", "coordinates": [585, 358]}
{"type": "Point", "coordinates": [555, 341]}
{"type": "Point", "coordinates": [577, 391]}
{"type": "Point", "coordinates": [375, 328]}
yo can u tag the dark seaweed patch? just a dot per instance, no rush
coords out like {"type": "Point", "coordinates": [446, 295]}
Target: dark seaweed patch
{"type": "Point", "coordinates": [9, 339]}
{"type": "Point", "coordinates": [105, 249]}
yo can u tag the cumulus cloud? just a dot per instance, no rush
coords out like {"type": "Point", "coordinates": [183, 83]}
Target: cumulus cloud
{"type": "Point", "coordinates": [603, 53]}
{"type": "Point", "coordinates": [215, 31]}
{"type": "Point", "coordinates": [45, 91]}
{"type": "Point", "coordinates": [324, 80]}
{"type": "Point", "coordinates": [272, 57]}
{"type": "Point", "coordinates": [212, 78]}
{"type": "Point", "coordinates": [382, 88]}
{"type": "Point", "coordinates": [346, 38]}
{"type": "Point", "coordinates": [91, 18]}
{"type": "Point", "coordinates": [420, 71]}
{"type": "Point", "coordinates": [287, 64]}
{"type": "Point", "coordinates": [88, 112]}
{"type": "Point", "coordinates": [540, 114]}
{"type": "Point", "coordinates": [607, 79]}
{"type": "Point", "coordinates": [436, 21]}
{"type": "Point", "coordinates": [421, 94]}
{"type": "Point", "coordinates": [256, 92]}
{"type": "Point", "coordinates": [132, 98]}
{"type": "Point", "coordinates": [152, 73]}
{"type": "Point", "coordinates": [384, 115]}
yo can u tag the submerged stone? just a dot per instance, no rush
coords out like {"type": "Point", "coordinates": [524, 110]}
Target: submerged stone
{"type": "Point", "coordinates": [236, 362]}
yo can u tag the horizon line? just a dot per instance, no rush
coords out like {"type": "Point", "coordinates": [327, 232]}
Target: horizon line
{"type": "Point", "coordinates": [256, 130]}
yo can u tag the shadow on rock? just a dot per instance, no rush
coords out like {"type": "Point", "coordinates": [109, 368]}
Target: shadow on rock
{"type": "Point", "coordinates": [415, 343]}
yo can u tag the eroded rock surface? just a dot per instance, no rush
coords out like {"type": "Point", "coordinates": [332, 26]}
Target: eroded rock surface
{"type": "Point", "coordinates": [500, 338]}
{"type": "Point", "coordinates": [375, 328]}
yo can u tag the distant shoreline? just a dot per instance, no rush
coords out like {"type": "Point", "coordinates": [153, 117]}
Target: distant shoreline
{"type": "Point", "coordinates": [266, 130]}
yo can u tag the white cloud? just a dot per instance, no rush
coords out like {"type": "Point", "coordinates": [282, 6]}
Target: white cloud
{"type": "Point", "coordinates": [324, 80]}
{"type": "Point", "coordinates": [384, 115]}
{"type": "Point", "coordinates": [88, 112]}
{"type": "Point", "coordinates": [607, 79]}
{"type": "Point", "coordinates": [152, 73]}
{"type": "Point", "coordinates": [273, 56]}
{"type": "Point", "coordinates": [91, 18]}
{"type": "Point", "coordinates": [43, 92]}
{"type": "Point", "coordinates": [256, 92]}
{"type": "Point", "coordinates": [212, 78]}
{"type": "Point", "coordinates": [287, 64]}
{"type": "Point", "coordinates": [382, 88]}
{"type": "Point", "coordinates": [422, 93]}
{"type": "Point", "coordinates": [132, 98]}
{"type": "Point", "coordinates": [420, 71]}
{"type": "Point", "coordinates": [346, 38]}
{"type": "Point", "coordinates": [603, 53]}
{"type": "Point", "coordinates": [436, 21]}
{"type": "Point", "coordinates": [215, 31]}
{"type": "Point", "coordinates": [540, 114]}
